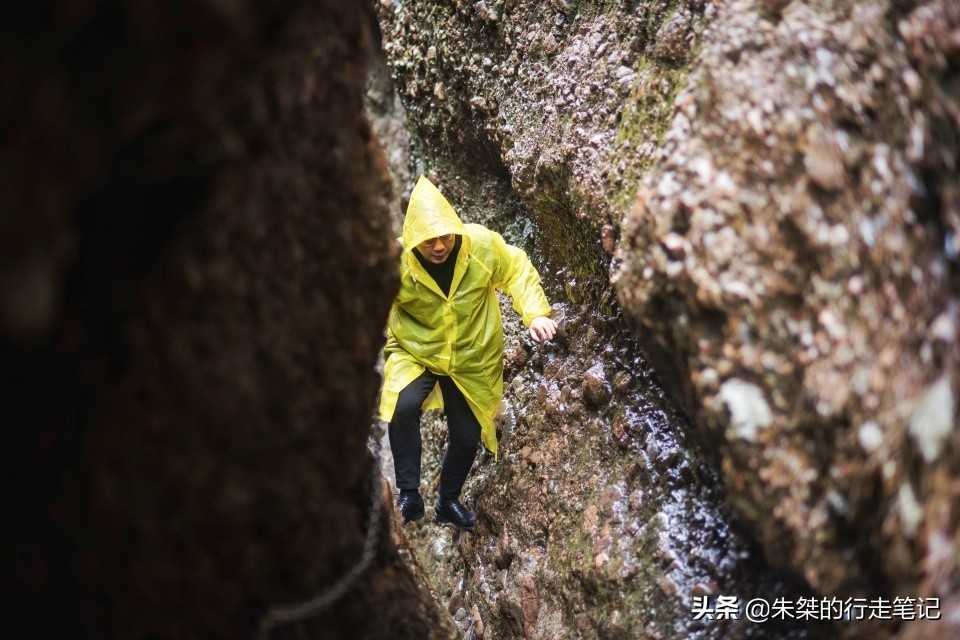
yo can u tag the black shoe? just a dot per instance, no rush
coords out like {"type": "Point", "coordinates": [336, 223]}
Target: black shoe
{"type": "Point", "coordinates": [411, 507]}
{"type": "Point", "coordinates": [456, 514]}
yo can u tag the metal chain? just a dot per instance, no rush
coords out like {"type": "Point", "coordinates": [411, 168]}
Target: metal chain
{"type": "Point", "coordinates": [285, 614]}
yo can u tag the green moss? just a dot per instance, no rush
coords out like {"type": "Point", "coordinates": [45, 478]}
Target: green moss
{"type": "Point", "coordinates": [645, 118]}
{"type": "Point", "coordinates": [568, 243]}
{"type": "Point", "coordinates": [592, 8]}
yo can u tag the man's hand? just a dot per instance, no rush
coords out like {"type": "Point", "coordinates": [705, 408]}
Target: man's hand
{"type": "Point", "coordinates": [543, 328]}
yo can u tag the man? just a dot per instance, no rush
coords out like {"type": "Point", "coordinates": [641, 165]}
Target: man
{"type": "Point", "coordinates": [445, 343]}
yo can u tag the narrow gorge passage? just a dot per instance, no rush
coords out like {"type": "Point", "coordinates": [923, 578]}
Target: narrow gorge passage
{"type": "Point", "coordinates": [746, 214]}
{"type": "Point", "coordinates": [602, 517]}
{"type": "Point", "coordinates": [755, 200]}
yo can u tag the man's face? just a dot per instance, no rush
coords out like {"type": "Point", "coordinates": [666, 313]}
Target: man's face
{"type": "Point", "coordinates": [437, 249]}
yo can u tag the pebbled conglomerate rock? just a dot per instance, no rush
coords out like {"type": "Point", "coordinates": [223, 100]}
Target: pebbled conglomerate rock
{"type": "Point", "coordinates": [564, 100]}
{"type": "Point", "coordinates": [793, 250]}
{"type": "Point", "coordinates": [779, 181]}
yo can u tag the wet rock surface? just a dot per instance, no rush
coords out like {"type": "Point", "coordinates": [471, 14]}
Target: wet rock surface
{"type": "Point", "coordinates": [599, 519]}
{"type": "Point", "coordinates": [793, 251]}
{"type": "Point", "coordinates": [788, 260]}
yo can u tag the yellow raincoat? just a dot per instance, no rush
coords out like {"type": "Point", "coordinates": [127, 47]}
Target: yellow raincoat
{"type": "Point", "coordinates": [459, 335]}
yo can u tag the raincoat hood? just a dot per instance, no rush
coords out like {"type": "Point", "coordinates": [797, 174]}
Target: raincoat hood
{"type": "Point", "coordinates": [429, 215]}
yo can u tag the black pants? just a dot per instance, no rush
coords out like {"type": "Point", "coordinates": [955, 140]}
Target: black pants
{"type": "Point", "coordinates": [462, 438]}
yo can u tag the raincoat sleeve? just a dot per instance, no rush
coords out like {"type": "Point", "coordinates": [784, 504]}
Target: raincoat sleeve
{"type": "Point", "coordinates": [517, 276]}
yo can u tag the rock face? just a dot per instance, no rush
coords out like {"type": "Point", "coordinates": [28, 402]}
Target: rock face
{"type": "Point", "coordinates": [563, 100]}
{"type": "Point", "coordinates": [794, 248]}
{"type": "Point", "coordinates": [197, 264]}
{"type": "Point", "coordinates": [788, 254]}
{"type": "Point", "coordinates": [601, 519]}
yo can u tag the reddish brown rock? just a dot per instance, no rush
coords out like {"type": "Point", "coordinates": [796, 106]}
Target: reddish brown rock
{"type": "Point", "coordinates": [812, 313]}
{"type": "Point", "coordinates": [197, 264]}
